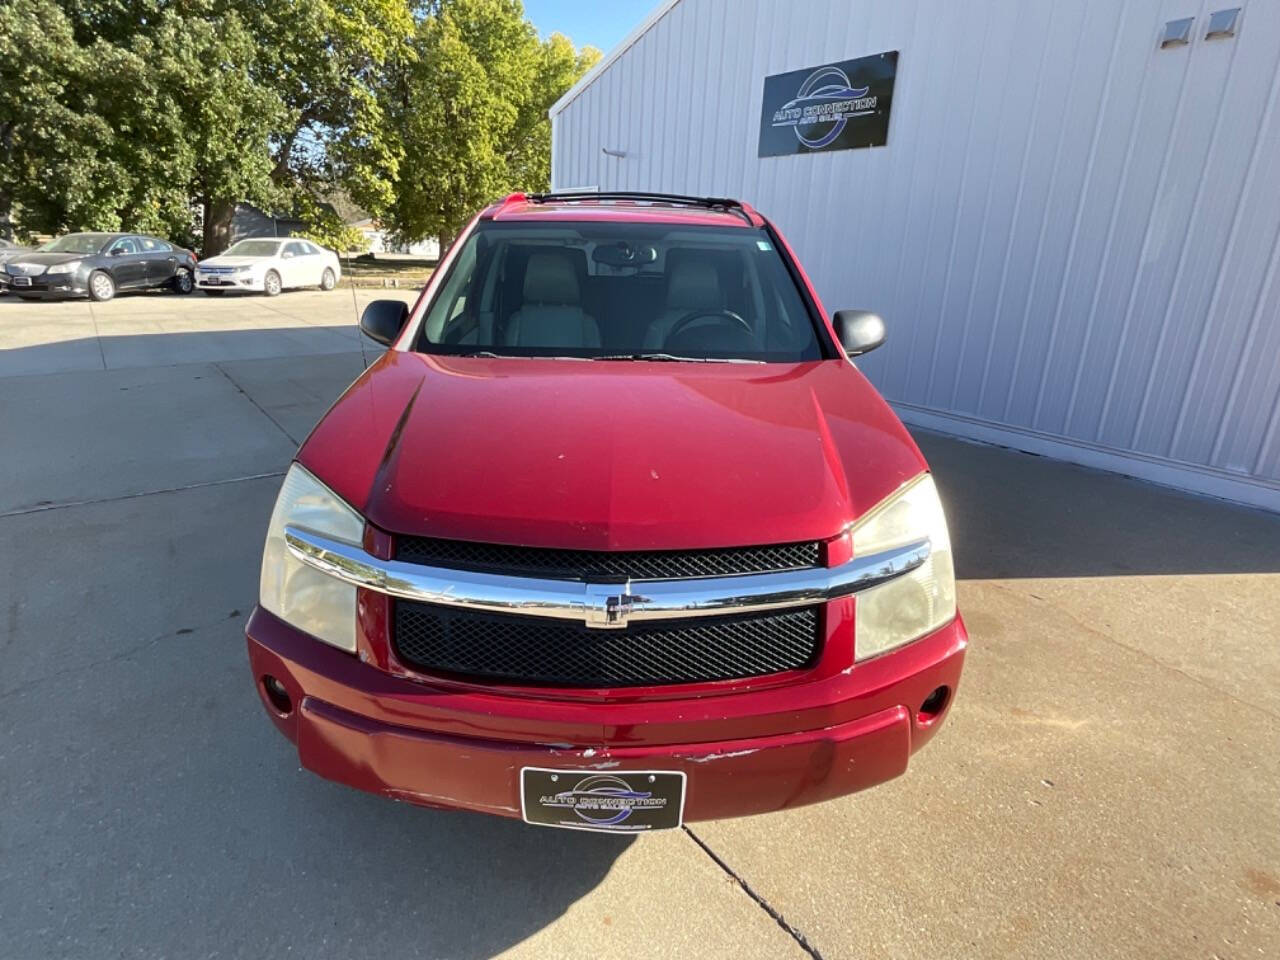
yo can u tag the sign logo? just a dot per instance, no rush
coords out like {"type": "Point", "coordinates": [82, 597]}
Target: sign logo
{"type": "Point", "coordinates": [835, 106]}
{"type": "Point", "coordinates": [823, 107]}
{"type": "Point", "coordinates": [602, 800]}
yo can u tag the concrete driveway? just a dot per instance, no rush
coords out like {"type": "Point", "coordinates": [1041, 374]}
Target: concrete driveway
{"type": "Point", "coordinates": [1108, 784]}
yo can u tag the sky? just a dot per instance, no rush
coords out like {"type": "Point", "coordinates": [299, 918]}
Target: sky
{"type": "Point", "coordinates": [600, 23]}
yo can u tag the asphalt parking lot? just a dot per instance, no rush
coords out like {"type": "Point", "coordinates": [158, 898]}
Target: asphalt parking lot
{"type": "Point", "coordinates": [1108, 784]}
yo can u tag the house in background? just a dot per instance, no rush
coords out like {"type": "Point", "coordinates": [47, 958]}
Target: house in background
{"type": "Point", "coordinates": [249, 221]}
{"type": "Point", "coordinates": [379, 241]}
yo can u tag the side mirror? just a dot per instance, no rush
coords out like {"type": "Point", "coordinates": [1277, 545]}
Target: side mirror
{"type": "Point", "coordinates": [859, 331]}
{"type": "Point", "coordinates": [383, 320]}
{"type": "Point", "coordinates": [117, 251]}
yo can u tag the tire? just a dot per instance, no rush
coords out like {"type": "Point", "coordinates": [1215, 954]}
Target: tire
{"type": "Point", "coordinates": [183, 282]}
{"type": "Point", "coordinates": [214, 293]}
{"type": "Point", "coordinates": [271, 284]}
{"type": "Point", "coordinates": [101, 287]}
{"type": "Point", "coordinates": [328, 281]}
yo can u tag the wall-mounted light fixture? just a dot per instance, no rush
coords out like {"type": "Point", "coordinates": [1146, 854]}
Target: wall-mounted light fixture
{"type": "Point", "coordinates": [1222, 24]}
{"type": "Point", "coordinates": [613, 153]}
{"type": "Point", "coordinates": [1177, 33]}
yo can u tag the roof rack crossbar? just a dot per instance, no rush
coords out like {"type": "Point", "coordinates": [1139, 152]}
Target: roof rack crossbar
{"type": "Point", "coordinates": [710, 203]}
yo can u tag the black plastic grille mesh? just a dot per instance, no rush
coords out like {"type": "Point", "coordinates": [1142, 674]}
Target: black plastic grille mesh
{"type": "Point", "coordinates": [585, 564]}
{"type": "Point", "coordinates": [536, 651]}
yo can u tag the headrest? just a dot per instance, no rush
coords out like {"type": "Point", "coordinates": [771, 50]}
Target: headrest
{"type": "Point", "coordinates": [550, 278]}
{"type": "Point", "coordinates": [693, 284]}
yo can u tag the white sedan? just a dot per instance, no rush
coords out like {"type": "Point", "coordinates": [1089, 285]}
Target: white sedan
{"type": "Point", "coordinates": [268, 265]}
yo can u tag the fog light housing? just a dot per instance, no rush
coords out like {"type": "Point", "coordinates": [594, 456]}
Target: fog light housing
{"type": "Point", "coordinates": [277, 695]}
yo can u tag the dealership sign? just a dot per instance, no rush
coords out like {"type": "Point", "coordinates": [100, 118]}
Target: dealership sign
{"type": "Point", "coordinates": [837, 106]}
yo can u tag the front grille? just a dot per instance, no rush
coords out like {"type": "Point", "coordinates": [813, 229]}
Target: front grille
{"type": "Point", "coordinates": [589, 564]}
{"type": "Point", "coordinates": [541, 652]}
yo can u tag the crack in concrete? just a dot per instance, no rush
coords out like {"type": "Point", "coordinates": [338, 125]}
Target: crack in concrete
{"type": "Point", "coordinates": [261, 409]}
{"type": "Point", "coordinates": [760, 901]}
{"type": "Point", "coordinates": [97, 335]}
{"type": "Point", "coordinates": [118, 656]}
{"type": "Point", "coordinates": [42, 507]}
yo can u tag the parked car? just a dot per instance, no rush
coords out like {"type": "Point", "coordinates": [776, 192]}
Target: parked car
{"type": "Point", "coordinates": [8, 250]}
{"type": "Point", "coordinates": [269, 266]}
{"type": "Point", "coordinates": [99, 265]}
{"type": "Point", "coordinates": [614, 536]}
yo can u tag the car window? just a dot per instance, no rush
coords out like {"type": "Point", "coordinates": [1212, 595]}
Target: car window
{"type": "Point", "coordinates": [76, 243]}
{"type": "Point", "coordinates": [254, 248]}
{"type": "Point", "coordinates": [148, 245]}
{"type": "Point", "coordinates": [158, 245]}
{"type": "Point", "coordinates": [611, 289]}
{"type": "Point", "coordinates": [310, 249]}
{"type": "Point", "coordinates": [293, 249]}
{"type": "Point", "coordinates": [125, 245]}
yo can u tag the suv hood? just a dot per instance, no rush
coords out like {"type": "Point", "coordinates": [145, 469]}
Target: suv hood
{"type": "Point", "coordinates": [611, 455]}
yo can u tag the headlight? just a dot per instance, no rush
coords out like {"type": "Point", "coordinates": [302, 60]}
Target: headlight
{"type": "Point", "coordinates": [916, 603]}
{"type": "Point", "coordinates": [65, 267]}
{"type": "Point", "coordinates": [296, 593]}
{"type": "Point", "coordinates": [241, 269]}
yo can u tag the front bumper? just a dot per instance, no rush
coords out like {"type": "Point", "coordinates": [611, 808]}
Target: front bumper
{"type": "Point", "coordinates": [58, 285]}
{"type": "Point", "coordinates": [743, 753]}
{"type": "Point", "coordinates": [225, 281]}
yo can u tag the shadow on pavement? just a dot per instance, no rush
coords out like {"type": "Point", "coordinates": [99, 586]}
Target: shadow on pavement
{"type": "Point", "coordinates": [1015, 515]}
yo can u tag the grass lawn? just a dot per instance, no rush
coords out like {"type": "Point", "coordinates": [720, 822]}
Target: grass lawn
{"type": "Point", "coordinates": [377, 273]}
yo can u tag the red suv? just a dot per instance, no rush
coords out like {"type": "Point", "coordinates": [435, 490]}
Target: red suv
{"type": "Point", "coordinates": [613, 536]}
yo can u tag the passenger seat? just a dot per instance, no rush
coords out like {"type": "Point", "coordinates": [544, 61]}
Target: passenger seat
{"type": "Point", "coordinates": [551, 314]}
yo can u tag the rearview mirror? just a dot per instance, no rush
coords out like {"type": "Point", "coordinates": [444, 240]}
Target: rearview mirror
{"type": "Point", "coordinates": [383, 320]}
{"type": "Point", "coordinates": [860, 331]}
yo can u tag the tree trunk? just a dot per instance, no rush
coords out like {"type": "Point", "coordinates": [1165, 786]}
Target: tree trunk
{"type": "Point", "coordinates": [6, 217]}
{"type": "Point", "coordinates": [218, 217]}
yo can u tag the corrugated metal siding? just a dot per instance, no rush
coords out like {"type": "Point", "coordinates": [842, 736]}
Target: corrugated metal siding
{"type": "Point", "coordinates": [1072, 234]}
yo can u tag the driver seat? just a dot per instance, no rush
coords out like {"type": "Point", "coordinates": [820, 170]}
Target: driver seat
{"type": "Point", "coordinates": [692, 284]}
{"type": "Point", "coordinates": [551, 314]}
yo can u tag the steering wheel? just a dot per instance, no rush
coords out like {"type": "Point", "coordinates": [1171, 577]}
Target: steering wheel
{"type": "Point", "coordinates": [722, 315]}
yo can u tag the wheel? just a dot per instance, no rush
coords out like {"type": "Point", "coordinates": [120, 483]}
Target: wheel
{"type": "Point", "coordinates": [271, 285]}
{"type": "Point", "coordinates": [214, 293]}
{"type": "Point", "coordinates": [328, 281]}
{"type": "Point", "coordinates": [183, 282]}
{"type": "Point", "coordinates": [101, 287]}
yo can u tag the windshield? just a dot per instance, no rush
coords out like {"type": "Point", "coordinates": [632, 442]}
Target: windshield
{"type": "Point", "coordinates": [253, 248]}
{"type": "Point", "coordinates": [77, 243]}
{"type": "Point", "coordinates": [620, 291]}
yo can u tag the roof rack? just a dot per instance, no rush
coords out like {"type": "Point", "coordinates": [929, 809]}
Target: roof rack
{"type": "Point", "coordinates": [676, 199]}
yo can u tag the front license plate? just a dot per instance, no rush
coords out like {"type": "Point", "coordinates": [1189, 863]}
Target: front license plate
{"type": "Point", "coordinates": [22, 281]}
{"type": "Point", "coordinates": [624, 801]}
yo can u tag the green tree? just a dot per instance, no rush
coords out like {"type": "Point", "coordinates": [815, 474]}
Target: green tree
{"type": "Point", "coordinates": [132, 115]}
{"type": "Point", "coordinates": [53, 171]}
{"type": "Point", "coordinates": [469, 106]}
{"type": "Point", "coordinates": [326, 60]}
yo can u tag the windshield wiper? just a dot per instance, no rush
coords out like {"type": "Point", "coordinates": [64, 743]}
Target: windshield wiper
{"type": "Point", "coordinates": [490, 355]}
{"type": "Point", "coordinates": [672, 358]}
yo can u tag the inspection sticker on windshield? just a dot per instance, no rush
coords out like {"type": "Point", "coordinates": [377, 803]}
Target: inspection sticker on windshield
{"type": "Point", "coordinates": [764, 245]}
{"type": "Point", "coordinates": [626, 801]}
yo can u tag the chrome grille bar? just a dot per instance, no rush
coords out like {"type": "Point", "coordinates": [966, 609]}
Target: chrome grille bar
{"type": "Point", "coordinates": [601, 605]}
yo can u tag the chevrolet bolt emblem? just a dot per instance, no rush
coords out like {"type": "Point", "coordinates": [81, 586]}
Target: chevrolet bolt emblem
{"type": "Point", "coordinates": [608, 605]}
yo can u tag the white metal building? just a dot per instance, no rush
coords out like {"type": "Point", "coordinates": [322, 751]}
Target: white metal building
{"type": "Point", "coordinates": [1073, 231]}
